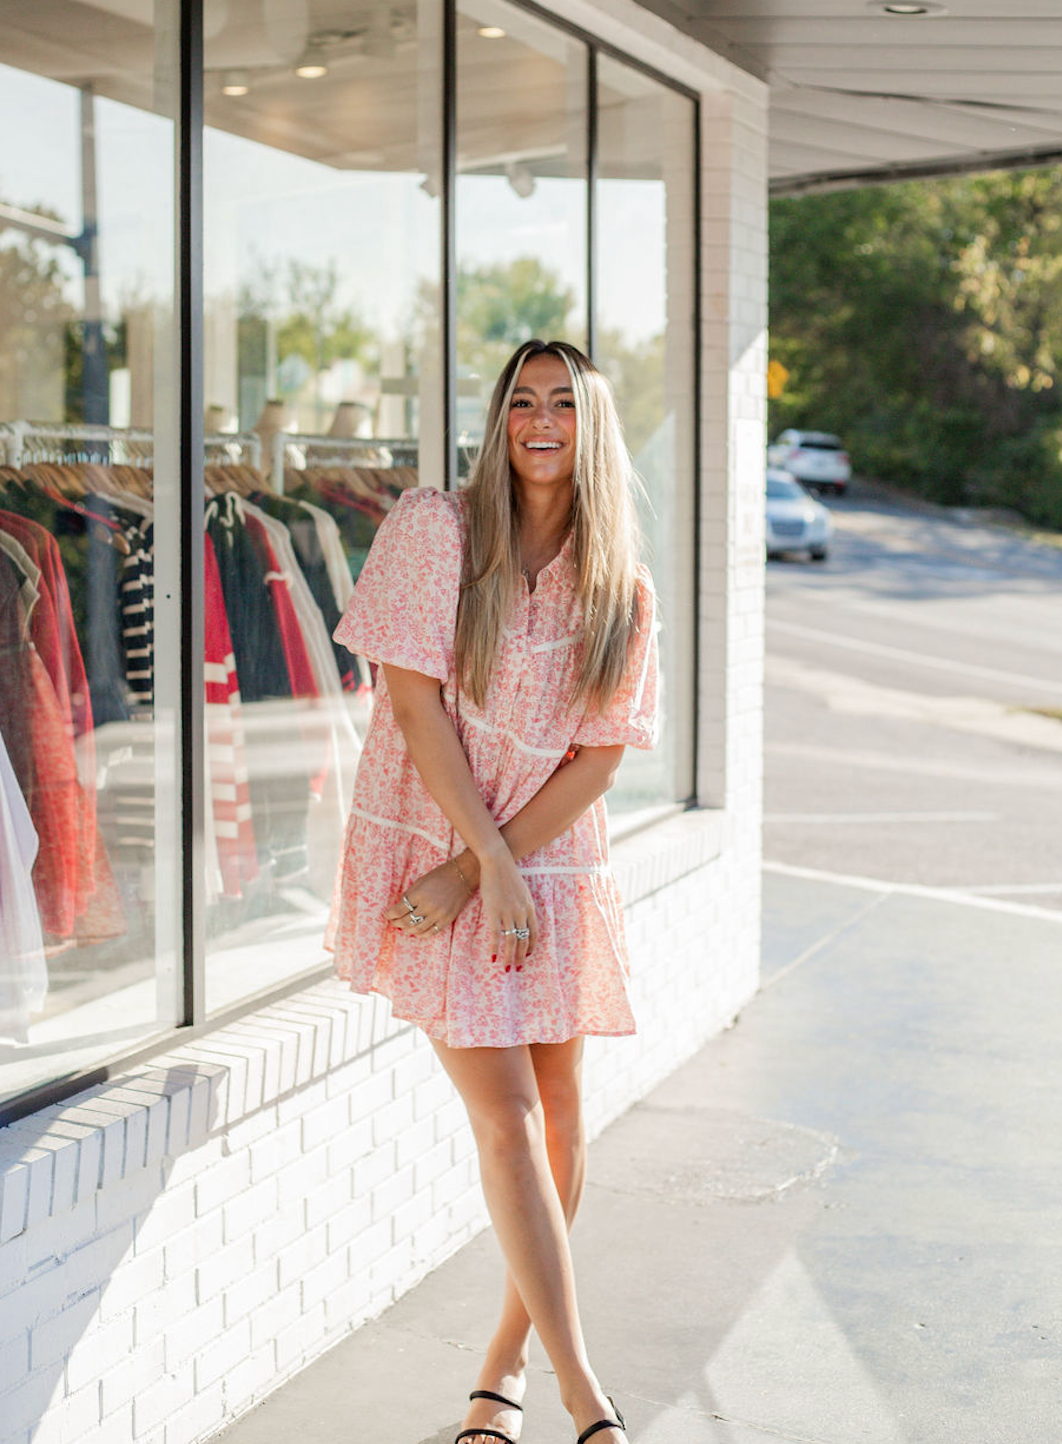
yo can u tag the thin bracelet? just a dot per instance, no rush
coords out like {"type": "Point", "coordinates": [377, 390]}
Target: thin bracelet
{"type": "Point", "coordinates": [461, 875]}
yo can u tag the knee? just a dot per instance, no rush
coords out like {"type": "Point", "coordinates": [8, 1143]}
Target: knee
{"type": "Point", "coordinates": [509, 1129]}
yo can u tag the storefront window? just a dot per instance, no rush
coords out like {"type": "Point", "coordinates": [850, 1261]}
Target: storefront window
{"type": "Point", "coordinates": [521, 196]}
{"type": "Point", "coordinates": [323, 164]}
{"type": "Point", "coordinates": [644, 344]}
{"type": "Point", "coordinates": [322, 353]}
{"type": "Point", "coordinates": [89, 800]}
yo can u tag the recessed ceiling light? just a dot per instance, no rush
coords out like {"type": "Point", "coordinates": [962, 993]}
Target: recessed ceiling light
{"type": "Point", "coordinates": [235, 82]}
{"type": "Point", "coordinates": [311, 67]}
{"type": "Point", "coordinates": [492, 32]}
{"type": "Point", "coordinates": [909, 9]}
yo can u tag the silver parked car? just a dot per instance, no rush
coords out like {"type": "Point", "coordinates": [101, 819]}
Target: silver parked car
{"type": "Point", "coordinates": [815, 458]}
{"type": "Point", "coordinates": [796, 522]}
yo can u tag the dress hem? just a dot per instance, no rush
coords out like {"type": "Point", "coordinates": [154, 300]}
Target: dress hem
{"type": "Point", "coordinates": [429, 1029]}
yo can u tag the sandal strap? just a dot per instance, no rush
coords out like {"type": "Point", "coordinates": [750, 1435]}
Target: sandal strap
{"type": "Point", "coordinates": [601, 1424]}
{"type": "Point", "coordinates": [485, 1433]}
{"type": "Point", "coordinates": [498, 1399]}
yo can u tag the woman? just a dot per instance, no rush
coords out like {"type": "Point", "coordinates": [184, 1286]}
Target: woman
{"type": "Point", "coordinates": [514, 631]}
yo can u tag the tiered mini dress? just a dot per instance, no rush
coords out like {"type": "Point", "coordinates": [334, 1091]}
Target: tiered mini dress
{"type": "Point", "coordinates": [403, 612]}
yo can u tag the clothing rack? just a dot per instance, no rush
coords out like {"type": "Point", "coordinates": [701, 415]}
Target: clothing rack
{"type": "Point", "coordinates": [300, 450]}
{"type": "Point", "coordinates": [24, 442]}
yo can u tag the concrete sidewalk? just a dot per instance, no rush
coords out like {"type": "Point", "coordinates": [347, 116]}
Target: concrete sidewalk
{"type": "Point", "coordinates": [840, 1222]}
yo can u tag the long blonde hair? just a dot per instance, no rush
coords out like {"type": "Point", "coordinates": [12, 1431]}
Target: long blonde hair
{"type": "Point", "coordinates": [603, 522]}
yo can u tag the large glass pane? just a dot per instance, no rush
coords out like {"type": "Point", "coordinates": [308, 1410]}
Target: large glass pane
{"type": "Point", "coordinates": [645, 340]}
{"type": "Point", "coordinates": [323, 161]}
{"type": "Point", "coordinates": [89, 800]}
{"type": "Point", "coordinates": [521, 195]}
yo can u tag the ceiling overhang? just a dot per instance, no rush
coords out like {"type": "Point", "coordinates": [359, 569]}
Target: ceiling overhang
{"type": "Point", "coordinates": [859, 95]}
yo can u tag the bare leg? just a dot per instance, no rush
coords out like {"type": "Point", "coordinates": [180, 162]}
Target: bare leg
{"type": "Point", "coordinates": [558, 1073]}
{"type": "Point", "coordinates": [500, 1090]}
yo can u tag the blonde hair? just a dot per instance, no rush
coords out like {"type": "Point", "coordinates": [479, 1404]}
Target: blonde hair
{"type": "Point", "coordinates": [603, 522]}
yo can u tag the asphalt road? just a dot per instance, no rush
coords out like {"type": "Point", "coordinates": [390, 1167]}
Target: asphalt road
{"type": "Point", "coordinates": [907, 681]}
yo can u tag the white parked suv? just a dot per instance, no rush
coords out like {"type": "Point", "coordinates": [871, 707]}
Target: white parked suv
{"type": "Point", "coordinates": [815, 458]}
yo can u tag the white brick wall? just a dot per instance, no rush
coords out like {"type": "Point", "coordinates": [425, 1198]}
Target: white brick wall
{"type": "Point", "coordinates": [176, 1243]}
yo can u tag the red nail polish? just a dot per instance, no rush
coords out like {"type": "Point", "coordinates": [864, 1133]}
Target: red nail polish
{"type": "Point", "coordinates": [519, 967]}
{"type": "Point", "coordinates": [508, 967]}
{"type": "Point", "coordinates": [494, 957]}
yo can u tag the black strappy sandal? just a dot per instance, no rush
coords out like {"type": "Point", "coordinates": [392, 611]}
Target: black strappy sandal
{"type": "Point", "coordinates": [618, 1423]}
{"type": "Point", "coordinates": [484, 1431]}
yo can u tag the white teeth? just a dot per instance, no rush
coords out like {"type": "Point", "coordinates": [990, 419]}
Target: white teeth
{"type": "Point", "coordinates": [542, 445]}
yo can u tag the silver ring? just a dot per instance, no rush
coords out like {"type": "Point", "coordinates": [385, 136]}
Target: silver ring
{"type": "Point", "coordinates": [435, 927]}
{"type": "Point", "coordinates": [522, 933]}
{"type": "Point", "coordinates": [406, 902]}
{"type": "Point", "coordinates": [416, 919]}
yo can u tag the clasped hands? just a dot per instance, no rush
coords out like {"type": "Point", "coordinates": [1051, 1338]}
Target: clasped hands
{"type": "Point", "coordinates": [435, 899]}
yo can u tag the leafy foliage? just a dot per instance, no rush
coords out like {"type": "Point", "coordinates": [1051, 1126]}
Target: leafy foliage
{"type": "Point", "coordinates": [924, 323]}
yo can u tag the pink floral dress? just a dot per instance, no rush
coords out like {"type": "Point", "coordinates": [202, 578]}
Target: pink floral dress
{"type": "Point", "coordinates": [403, 612]}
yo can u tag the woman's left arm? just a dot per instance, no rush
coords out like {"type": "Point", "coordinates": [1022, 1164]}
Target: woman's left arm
{"type": "Point", "coordinates": [561, 800]}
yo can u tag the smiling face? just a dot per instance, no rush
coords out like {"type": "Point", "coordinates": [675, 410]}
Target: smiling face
{"type": "Point", "coordinates": [542, 424]}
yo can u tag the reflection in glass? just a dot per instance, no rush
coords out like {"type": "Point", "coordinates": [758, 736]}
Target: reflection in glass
{"type": "Point", "coordinates": [322, 218]}
{"type": "Point", "coordinates": [88, 909]}
{"type": "Point", "coordinates": [644, 344]}
{"type": "Point", "coordinates": [521, 195]}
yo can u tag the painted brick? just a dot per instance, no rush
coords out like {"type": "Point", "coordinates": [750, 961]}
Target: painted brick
{"type": "Point", "coordinates": [250, 1291]}
{"type": "Point", "coordinates": [194, 1244]}
{"type": "Point", "coordinates": [222, 1354]}
{"type": "Point", "coordinates": [183, 1336]}
{"type": "Point", "coordinates": [296, 1180]}
{"type": "Point", "coordinates": [392, 1193]}
{"type": "Point", "coordinates": [345, 1224]}
{"type": "Point", "coordinates": [274, 1316]}
{"type": "Point", "coordinates": [167, 1214]}
{"type": "Point", "coordinates": [300, 1339]}
{"type": "Point", "coordinates": [138, 1277]}
{"type": "Point", "coordinates": [223, 1267]}
{"type": "Point", "coordinates": [324, 1123]}
{"type": "Point", "coordinates": [154, 1404]}
{"type": "Point", "coordinates": [197, 1418]}
{"type": "Point", "coordinates": [302, 1255]}
{"type": "Point", "coordinates": [154, 1313]}
{"type": "Point", "coordinates": [248, 1209]}
{"type": "Point", "coordinates": [23, 1407]}
{"type": "Point", "coordinates": [322, 1203]}
{"type": "Point", "coordinates": [249, 1379]}
{"type": "Point", "coordinates": [14, 1356]}
{"type": "Point", "coordinates": [59, 1235]}
{"type": "Point", "coordinates": [270, 1154]}
{"type": "Point", "coordinates": [350, 1144]}
{"type": "Point", "coordinates": [52, 1339]}
{"type": "Point", "coordinates": [98, 1350]}
{"type": "Point", "coordinates": [273, 1236]}
{"type": "Point", "coordinates": [221, 1181]}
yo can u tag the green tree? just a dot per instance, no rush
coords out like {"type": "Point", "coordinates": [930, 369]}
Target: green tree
{"type": "Point", "coordinates": [501, 306]}
{"type": "Point", "coordinates": [924, 322]}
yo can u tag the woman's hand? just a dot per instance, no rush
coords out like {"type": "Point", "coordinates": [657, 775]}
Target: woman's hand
{"type": "Point", "coordinates": [437, 897]}
{"type": "Point", "coordinates": [507, 907]}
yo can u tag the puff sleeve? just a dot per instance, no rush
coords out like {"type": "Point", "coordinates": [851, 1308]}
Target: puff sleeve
{"type": "Point", "coordinates": [631, 716]}
{"type": "Point", "coordinates": [404, 607]}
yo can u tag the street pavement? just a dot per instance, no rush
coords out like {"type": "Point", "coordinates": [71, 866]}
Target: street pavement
{"type": "Point", "coordinates": [841, 1222]}
{"type": "Point", "coordinates": [911, 682]}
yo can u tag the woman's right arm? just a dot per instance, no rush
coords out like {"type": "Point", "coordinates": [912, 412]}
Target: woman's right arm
{"type": "Point", "coordinates": [440, 760]}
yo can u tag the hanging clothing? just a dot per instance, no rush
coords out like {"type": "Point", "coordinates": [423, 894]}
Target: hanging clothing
{"type": "Point", "coordinates": [23, 971]}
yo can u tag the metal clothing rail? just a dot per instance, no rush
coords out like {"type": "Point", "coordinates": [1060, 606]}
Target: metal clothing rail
{"type": "Point", "coordinates": [302, 449]}
{"type": "Point", "coordinates": [23, 442]}
{"type": "Point", "coordinates": [27, 441]}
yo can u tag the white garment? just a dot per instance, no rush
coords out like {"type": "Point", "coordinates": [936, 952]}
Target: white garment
{"type": "Point", "coordinates": [335, 557]}
{"type": "Point", "coordinates": [23, 971]}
